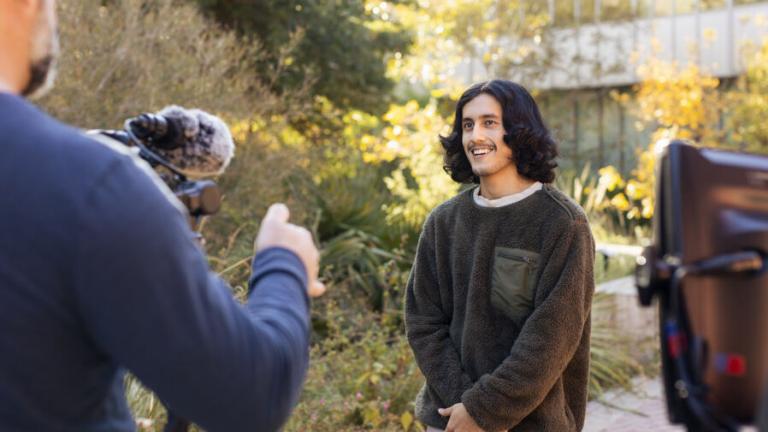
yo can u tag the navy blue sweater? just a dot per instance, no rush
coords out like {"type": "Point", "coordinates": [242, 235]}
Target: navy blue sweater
{"type": "Point", "coordinates": [99, 273]}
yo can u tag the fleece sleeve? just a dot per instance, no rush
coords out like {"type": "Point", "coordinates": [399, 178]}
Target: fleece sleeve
{"type": "Point", "coordinates": [427, 327]}
{"type": "Point", "coordinates": [149, 302]}
{"type": "Point", "coordinates": [548, 339]}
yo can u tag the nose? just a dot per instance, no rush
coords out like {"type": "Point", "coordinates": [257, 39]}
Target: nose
{"type": "Point", "coordinates": [477, 136]}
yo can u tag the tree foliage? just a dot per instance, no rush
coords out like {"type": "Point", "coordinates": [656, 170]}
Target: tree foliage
{"type": "Point", "coordinates": [749, 102]}
{"type": "Point", "coordinates": [133, 56]}
{"type": "Point", "coordinates": [504, 36]}
{"type": "Point", "coordinates": [679, 101]}
{"type": "Point", "coordinates": [343, 44]}
{"type": "Point", "coordinates": [676, 102]}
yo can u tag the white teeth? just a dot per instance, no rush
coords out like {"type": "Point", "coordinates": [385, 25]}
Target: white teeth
{"type": "Point", "coordinates": [480, 151]}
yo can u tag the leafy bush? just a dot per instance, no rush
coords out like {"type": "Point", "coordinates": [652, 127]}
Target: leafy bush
{"type": "Point", "coordinates": [138, 56]}
{"type": "Point", "coordinates": [611, 365]}
{"type": "Point", "coordinates": [748, 102]}
{"type": "Point", "coordinates": [616, 208]}
{"type": "Point", "coordinates": [362, 376]}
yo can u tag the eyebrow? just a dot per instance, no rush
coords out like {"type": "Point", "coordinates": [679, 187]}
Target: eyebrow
{"type": "Point", "coordinates": [483, 116]}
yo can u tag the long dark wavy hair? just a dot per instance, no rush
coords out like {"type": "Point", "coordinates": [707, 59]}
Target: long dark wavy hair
{"type": "Point", "coordinates": [533, 149]}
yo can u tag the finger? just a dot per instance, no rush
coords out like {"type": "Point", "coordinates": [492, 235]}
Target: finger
{"type": "Point", "coordinates": [445, 412]}
{"type": "Point", "coordinates": [277, 213]}
{"type": "Point", "coordinates": [316, 289]}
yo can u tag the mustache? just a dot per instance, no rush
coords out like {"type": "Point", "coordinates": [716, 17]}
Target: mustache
{"type": "Point", "coordinates": [490, 144]}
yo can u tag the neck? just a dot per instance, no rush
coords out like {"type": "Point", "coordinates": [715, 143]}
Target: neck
{"type": "Point", "coordinates": [7, 88]}
{"type": "Point", "coordinates": [12, 77]}
{"type": "Point", "coordinates": [503, 183]}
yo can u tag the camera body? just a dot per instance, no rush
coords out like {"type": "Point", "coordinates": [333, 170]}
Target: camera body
{"type": "Point", "coordinates": [706, 266]}
{"type": "Point", "coordinates": [150, 132]}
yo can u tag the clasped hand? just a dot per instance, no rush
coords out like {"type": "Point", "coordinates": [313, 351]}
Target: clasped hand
{"type": "Point", "coordinates": [460, 420]}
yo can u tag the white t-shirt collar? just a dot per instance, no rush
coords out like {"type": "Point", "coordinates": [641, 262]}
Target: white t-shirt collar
{"type": "Point", "coordinates": [505, 200]}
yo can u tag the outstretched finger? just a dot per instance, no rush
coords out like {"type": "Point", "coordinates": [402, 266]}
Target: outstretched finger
{"type": "Point", "coordinates": [277, 213]}
{"type": "Point", "coordinates": [316, 289]}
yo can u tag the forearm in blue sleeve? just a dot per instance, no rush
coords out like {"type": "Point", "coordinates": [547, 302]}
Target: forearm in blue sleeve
{"type": "Point", "coordinates": [272, 303]}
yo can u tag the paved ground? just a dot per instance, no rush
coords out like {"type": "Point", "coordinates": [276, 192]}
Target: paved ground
{"type": "Point", "coordinates": [641, 411]}
{"type": "Point", "coordinates": [644, 409]}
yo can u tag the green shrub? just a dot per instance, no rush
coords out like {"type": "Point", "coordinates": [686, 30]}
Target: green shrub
{"type": "Point", "coordinates": [362, 375]}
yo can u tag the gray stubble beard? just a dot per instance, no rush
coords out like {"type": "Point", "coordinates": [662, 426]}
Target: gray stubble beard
{"type": "Point", "coordinates": [44, 53]}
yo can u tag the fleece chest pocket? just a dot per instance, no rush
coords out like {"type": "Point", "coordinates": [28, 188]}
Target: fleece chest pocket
{"type": "Point", "coordinates": [513, 282]}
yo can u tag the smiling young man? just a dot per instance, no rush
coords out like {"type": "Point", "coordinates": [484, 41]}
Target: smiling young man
{"type": "Point", "coordinates": [498, 302]}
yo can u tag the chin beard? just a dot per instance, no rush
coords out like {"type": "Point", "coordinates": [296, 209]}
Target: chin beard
{"type": "Point", "coordinates": [41, 76]}
{"type": "Point", "coordinates": [479, 172]}
{"type": "Point", "coordinates": [487, 170]}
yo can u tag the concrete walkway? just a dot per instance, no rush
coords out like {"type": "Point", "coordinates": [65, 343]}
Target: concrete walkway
{"type": "Point", "coordinates": [643, 410]}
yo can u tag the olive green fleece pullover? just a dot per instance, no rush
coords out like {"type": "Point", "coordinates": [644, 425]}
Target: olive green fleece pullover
{"type": "Point", "coordinates": [497, 312]}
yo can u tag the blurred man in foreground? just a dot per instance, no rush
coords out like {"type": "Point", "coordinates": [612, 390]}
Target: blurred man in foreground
{"type": "Point", "coordinates": [99, 272]}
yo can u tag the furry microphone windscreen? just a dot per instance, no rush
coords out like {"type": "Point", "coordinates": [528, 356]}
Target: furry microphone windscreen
{"type": "Point", "coordinates": [208, 147]}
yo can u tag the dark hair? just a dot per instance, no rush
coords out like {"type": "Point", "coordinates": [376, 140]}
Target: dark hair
{"type": "Point", "coordinates": [533, 149]}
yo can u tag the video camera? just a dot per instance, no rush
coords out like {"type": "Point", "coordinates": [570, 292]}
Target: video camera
{"type": "Point", "coordinates": [706, 266]}
{"type": "Point", "coordinates": [175, 142]}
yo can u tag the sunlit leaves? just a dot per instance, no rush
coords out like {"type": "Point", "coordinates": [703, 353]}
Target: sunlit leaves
{"type": "Point", "coordinates": [408, 134]}
{"type": "Point", "coordinates": [450, 34]}
{"type": "Point", "coordinates": [678, 102]}
{"type": "Point", "coordinates": [683, 97]}
{"type": "Point", "coordinates": [749, 102]}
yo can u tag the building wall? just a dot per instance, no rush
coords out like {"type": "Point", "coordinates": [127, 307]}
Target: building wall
{"type": "Point", "coordinates": [712, 39]}
{"type": "Point", "coordinates": [599, 55]}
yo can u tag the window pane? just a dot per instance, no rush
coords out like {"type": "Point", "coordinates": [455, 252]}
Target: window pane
{"type": "Point", "coordinates": [615, 10]}
{"type": "Point", "coordinates": [564, 13]}
{"type": "Point", "coordinates": [588, 139]}
{"type": "Point", "coordinates": [613, 135]}
{"type": "Point", "coordinates": [712, 4]}
{"type": "Point", "coordinates": [689, 6]}
{"type": "Point", "coordinates": [685, 6]}
{"type": "Point", "coordinates": [557, 109]}
{"type": "Point", "coordinates": [587, 11]}
{"type": "Point", "coordinates": [663, 8]}
{"type": "Point", "coordinates": [645, 8]}
{"type": "Point", "coordinates": [535, 7]}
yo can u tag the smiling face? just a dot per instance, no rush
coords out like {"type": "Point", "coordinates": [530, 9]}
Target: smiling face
{"type": "Point", "coordinates": [483, 137]}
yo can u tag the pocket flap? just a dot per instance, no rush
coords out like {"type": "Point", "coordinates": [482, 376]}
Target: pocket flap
{"type": "Point", "coordinates": [512, 281]}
